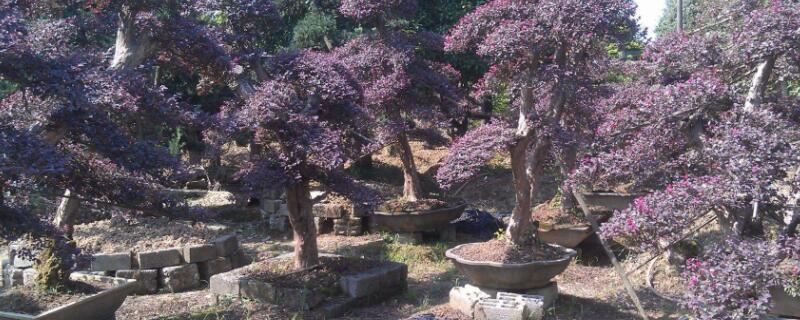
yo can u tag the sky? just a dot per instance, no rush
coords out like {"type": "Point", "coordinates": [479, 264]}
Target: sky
{"type": "Point", "coordinates": [649, 13]}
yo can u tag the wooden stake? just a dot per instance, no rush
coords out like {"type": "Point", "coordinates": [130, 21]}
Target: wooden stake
{"type": "Point", "coordinates": [617, 267]}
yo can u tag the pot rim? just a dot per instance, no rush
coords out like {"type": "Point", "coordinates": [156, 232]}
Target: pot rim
{"type": "Point", "coordinates": [418, 213]}
{"type": "Point", "coordinates": [568, 255]}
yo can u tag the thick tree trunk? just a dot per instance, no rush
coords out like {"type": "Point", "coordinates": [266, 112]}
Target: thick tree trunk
{"type": "Point", "coordinates": [298, 198]}
{"type": "Point", "coordinates": [519, 228]}
{"type": "Point", "coordinates": [535, 169]}
{"type": "Point", "coordinates": [132, 47]}
{"type": "Point", "coordinates": [755, 96]}
{"type": "Point", "coordinates": [569, 159]}
{"type": "Point", "coordinates": [412, 188]}
{"type": "Point", "coordinates": [67, 213]}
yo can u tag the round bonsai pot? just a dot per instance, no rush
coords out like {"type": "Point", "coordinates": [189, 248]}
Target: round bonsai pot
{"type": "Point", "coordinates": [415, 221]}
{"type": "Point", "coordinates": [511, 276]}
{"type": "Point", "coordinates": [609, 200]}
{"type": "Point", "coordinates": [566, 235]}
{"type": "Point", "coordinates": [783, 304]}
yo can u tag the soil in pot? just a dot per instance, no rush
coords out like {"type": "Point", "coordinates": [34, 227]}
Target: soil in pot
{"type": "Point", "coordinates": [31, 300]}
{"type": "Point", "coordinates": [502, 252]}
{"type": "Point", "coordinates": [550, 216]}
{"type": "Point", "coordinates": [400, 206]}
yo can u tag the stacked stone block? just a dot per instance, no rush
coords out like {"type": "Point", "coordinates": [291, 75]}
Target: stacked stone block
{"type": "Point", "coordinates": [348, 219]}
{"type": "Point", "coordinates": [172, 269]}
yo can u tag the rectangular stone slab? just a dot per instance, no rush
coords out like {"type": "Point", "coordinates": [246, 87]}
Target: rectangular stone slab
{"type": "Point", "coordinates": [159, 258]}
{"type": "Point", "coordinates": [201, 252]}
{"type": "Point", "coordinates": [146, 280]}
{"type": "Point", "coordinates": [180, 278]}
{"type": "Point", "coordinates": [111, 261]}
{"type": "Point", "coordinates": [226, 245]}
{"type": "Point", "coordinates": [374, 281]}
{"type": "Point", "coordinates": [227, 283]}
{"type": "Point", "coordinates": [464, 299]}
{"type": "Point", "coordinates": [328, 210]}
{"type": "Point", "coordinates": [213, 267]}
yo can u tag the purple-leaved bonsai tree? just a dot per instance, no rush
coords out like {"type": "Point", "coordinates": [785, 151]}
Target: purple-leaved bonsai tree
{"type": "Point", "coordinates": [308, 118]}
{"type": "Point", "coordinates": [74, 123]}
{"type": "Point", "coordinates": [549, 54]}
{"type": "Point", "coordinates": [707, 126]}
{"type": "Point", "coordinates": [402, 88]}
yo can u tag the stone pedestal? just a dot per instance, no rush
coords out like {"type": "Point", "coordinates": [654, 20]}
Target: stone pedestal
{"type": "Point", "coordinates": [489, 304]}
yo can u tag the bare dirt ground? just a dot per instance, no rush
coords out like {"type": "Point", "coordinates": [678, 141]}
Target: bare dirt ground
{"type": "Point", "coordinates": [589, 288]}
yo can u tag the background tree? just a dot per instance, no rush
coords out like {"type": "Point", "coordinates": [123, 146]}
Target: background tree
{"type": "Point", "coordinates": [545, 52]}
{"type": "Point", "coordinates": [74, 124]}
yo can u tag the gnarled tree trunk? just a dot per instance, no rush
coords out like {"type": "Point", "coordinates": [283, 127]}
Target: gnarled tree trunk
{"type": "Point", "coordinates": [520, 225]}
{"type": "Point", "coordinates": [298, 199]}
{"type": "Point", "coordinates": [759, 84]}
{"type": "Point", "coordinates": [67, 213]}
{"type": "Point", "coordinates": [412, 188]}
{"type": "Point", "coordinates": [569, 158]}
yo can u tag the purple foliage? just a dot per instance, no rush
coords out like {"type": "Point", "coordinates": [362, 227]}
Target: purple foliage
{"type": "Point", "coordinates": [470, 152]}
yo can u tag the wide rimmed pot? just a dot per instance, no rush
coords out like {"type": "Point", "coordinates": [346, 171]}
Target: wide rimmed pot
{"type": "Point", "coordinates": [568, 236]}
{"type": "Point", "coordinates": [610, 201]}
{"type": "Point", "coordinates": [783, 304]}
{"type": "Point", "coordinates": [415, 221]}
{"type": "Point", "coordinates": [100, 306]}
{"type": "Point", "coordinates": [511, 276]}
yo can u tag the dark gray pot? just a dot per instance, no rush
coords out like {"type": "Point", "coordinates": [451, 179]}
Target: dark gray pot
{"type": "Point", "coordinates": [511, 276]}
{"type": "Point", "coordinates": [610, 200]}
{"type": "Point", "coordinates": [566, 235]}
{"type": "Point", "coordinates": [783, 304]}
{"type": "Point", "coordinates": [101, 306]}
{"type": "Point", "coordinates": [415, 221]}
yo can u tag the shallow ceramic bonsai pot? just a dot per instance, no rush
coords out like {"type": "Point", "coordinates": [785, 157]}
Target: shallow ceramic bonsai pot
{"type": "Point", "coordinates": [100, 306]}
{"type": "Point", "coordinates": [565, 235]}
{"type": "Point", "coordinates": [609, 200]}
{"type": "Point", "coordinates": [511, 276]}
{"type": "Point", "coordinates": [415, 221]}
{"type": "Point", "coordinates": [783, 304]}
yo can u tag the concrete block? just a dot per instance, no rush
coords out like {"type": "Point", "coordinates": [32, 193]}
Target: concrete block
{"type": "Point", "coordinates": [159, 258]}
{"type": "Point", "coordinates": [146, 280]}
{"type": "Point", "coordinates": [328, 210]}
{"type": "Point", "coordinates": [495, 309]}
{"type": "Point", "coordinates": [12, 277]}
{"type": "Point", "coordinates": [20, 260]}
{"type": "Point", "coordinates": [534, 305]}
{"type": "Point", "coordinates": [376, 281]}
{"type": "Point", "coordinates": [464, 299]}
{"type": "Point", "coordinates": [271, 206]}
{"type": "Point", "coordinates": [358, 211]}
{"type": "Point", "coordinates": [111, 262]}
{"type": "Point", "coordinates": [198, 253]}
{"type": "Point", "coordinates": [227, 283]}
{"type": "Point", "coordinates": [278, 222]}
{"type": "Point", "coordinates": [226, 245]}
{"type": "Point", "coordinates": [213, 267]}
{"type": "Point", "coordinates": [283, 210]}
{"type": "Point", "coordinates": [180, 278]}
{"type": "Point", "coordinates": [549, 293]}
{"type": "Point", "coordinates": [239, 259]}
{"type": "Point", "coordinates": [29, 277]}
{"type": "Point", "coordinates": [257, 290]}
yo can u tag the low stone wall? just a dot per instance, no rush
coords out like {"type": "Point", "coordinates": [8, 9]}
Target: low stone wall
{"type": "Point", "coordinates": [170, 270]}
{"type": "Point", "coordinates": [365, 288]}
